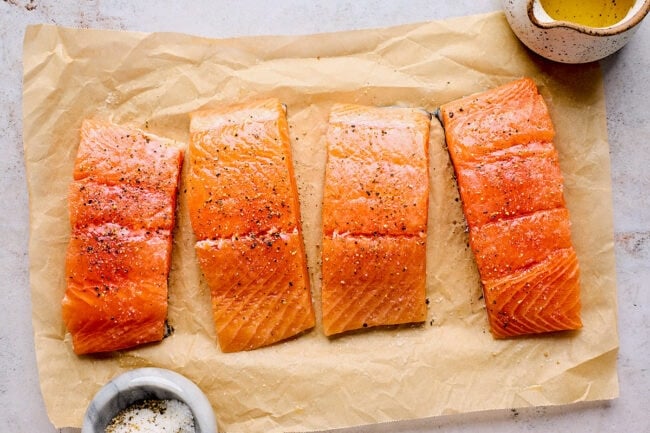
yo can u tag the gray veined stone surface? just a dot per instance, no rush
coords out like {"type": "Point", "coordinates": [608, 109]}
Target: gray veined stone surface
{"type": "Point", "coordinates": [626, 76]}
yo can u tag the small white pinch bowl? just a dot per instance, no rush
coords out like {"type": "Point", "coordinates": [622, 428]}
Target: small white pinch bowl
{"type": "Point", "coordinates": [567, 42]}
{"type": "Point", "coordinates": [142, 384]}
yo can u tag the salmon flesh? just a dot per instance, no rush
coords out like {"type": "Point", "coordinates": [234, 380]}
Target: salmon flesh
{"type": "Point", "coordinates": [375, 206]}
{"type": "Point", "coordinates": [244, 210]}
{"type": "Point", "coordinates": [501, 145]}
{"type": "Point", "coordinates": [122, 205]}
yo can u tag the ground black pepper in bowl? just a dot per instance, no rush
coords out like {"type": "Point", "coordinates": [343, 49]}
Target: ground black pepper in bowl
{"type": "Point", "coordinates": [160, 416]}
{"type": "Point", "coordinates": [149, 400]}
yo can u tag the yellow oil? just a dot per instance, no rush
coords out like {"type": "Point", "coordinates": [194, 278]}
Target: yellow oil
{"type": "Point", "coordinates": [592, 13]}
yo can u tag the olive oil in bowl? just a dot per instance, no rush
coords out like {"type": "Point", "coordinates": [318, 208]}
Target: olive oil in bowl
{"type": "Point", "coordinates": [591, 13]}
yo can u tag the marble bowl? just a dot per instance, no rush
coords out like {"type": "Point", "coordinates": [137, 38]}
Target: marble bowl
{"type": "Point", "coordinates": [147, 383]}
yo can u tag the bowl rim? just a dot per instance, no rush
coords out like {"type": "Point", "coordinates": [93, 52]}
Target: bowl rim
{"type": "Point", "coordinates": [115, 396]}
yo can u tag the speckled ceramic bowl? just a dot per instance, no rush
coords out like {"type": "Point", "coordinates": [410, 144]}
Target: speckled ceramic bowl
{"type": "Point", "coordinates": [147, 383]}
{"type": "Point", "coordinates": [567, 42]}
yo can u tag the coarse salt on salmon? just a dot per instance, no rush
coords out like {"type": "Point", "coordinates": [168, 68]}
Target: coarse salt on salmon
{"type": "Point", "coordinates": [375, 206]}
{"type": "Point", "coordinates": [122, 213]}
{"type": "Point", "coordinates": [244, 210]}
{"type": "Point", "coordinates": [501, 145]}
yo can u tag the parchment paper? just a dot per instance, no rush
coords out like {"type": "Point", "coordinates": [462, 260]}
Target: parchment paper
{"type": "Point", "coordinates": [448, 365]}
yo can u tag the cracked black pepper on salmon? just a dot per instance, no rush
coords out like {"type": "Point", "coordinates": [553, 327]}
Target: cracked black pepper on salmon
{"type": "Point", "coordinates": [375, 208]}
{"type": "Point", "coordinates": [122, 205]}
{"type": "Point", "coordinates": [511, 186]}
{"type": "Point", "coordinates": [244, 210]}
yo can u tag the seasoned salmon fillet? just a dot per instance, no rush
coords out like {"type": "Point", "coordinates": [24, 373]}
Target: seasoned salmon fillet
{"type": "Point", "coordinates": [260, 288]}
{"type": "Point", "coordinates": [375, 205]}
{"type": "Point", "coordinates": [244, 210]}
{"type": "Point", "coordinates": [511, 186]}
{"type": "Point", "coordinates": [122, 212]}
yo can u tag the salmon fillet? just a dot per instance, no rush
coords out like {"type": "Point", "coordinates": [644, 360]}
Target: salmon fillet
{"type": "Point", "coordinates": [121, 202]}
{"type": "Point", "coordinates": [511, 186]}
{"type": "Point", "coordinates": [244, 210]}
{"type": "Point", "coordinates": [375, 205]}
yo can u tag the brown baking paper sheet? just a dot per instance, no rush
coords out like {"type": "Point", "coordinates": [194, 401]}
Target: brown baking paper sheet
{"type": "Point", "coordinates": [448, 365]}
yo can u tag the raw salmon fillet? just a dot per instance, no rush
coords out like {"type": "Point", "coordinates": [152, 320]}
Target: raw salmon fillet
{"type": "Point", "coordinates": [122, 211]}
{"type": "Point", "coordinates": [375, 205]}
{"type": "Point", "coordinates": [244, 210]}
{"type": "Point", "coordinates": [510, 183]}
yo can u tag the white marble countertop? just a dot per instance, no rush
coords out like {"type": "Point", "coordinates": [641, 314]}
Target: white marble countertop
{"type": "Point", "coordinates": [627, 88]}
